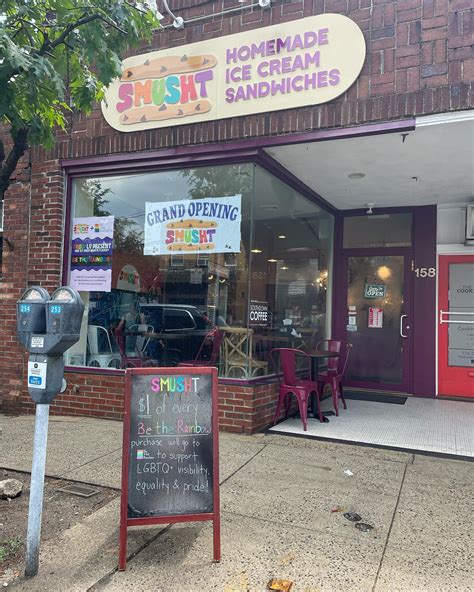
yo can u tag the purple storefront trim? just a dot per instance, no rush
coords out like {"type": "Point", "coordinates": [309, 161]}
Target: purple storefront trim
{"type": "Point", "coordinates": [424, 303]}
{"type": "Point", "coordinates": [215, 154]}
{"type": "Point", "coordinates": [186, 155]}
{"type": "Point", "coordinates": [422, 363]}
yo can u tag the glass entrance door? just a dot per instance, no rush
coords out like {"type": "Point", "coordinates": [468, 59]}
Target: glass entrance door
{"type": "Point", "coordinates": [378, 320]}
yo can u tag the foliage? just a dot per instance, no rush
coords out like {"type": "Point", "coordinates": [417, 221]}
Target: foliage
{"type": "Point", "coordinates": [219, 181]}
{"type": "Point", "coordinates": [9, 548]}
{"type": "Point", "coordinates": [58, 55]}
{"type": "Point", "coordinates": [127, 234]}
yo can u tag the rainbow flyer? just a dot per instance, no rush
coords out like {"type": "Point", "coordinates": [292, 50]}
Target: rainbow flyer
{"type": "Point", "coordinates": [91, 254]}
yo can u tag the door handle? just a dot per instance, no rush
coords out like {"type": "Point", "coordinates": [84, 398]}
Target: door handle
{"type": "Point", "coordinates": [403, 316]}
{"type": "Point", "coordinates": [442, 320]}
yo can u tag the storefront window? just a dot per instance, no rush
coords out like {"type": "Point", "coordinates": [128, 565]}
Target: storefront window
{"type": "Point", "coordinates": [267, 289]}
{"type": "Point", "coordinates": [290, 267]}
{"type": "Point", "coordinates": [377, 230]}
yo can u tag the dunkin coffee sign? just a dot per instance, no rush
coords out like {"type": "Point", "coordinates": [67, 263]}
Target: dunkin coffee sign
{"type": "Point", "coordinates": [297, 64]}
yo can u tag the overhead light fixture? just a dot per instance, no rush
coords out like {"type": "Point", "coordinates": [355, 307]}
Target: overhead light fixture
{"type": "Point", "coordinates": [284, 267]}
{"type": "Point", "coordinates": [272, 260]}
{"type": "Point", "coordinates": [356, 175]}
{"type": "Point", "coordinates": [384, 272]}
{"type": "Point", "coordinates": [370, 206]}
{"type": "Point", "coordinates": [256, 251]}
{"type": "Point", "coordinates": [281, 236]}
{"type": "Point", "coordinates": [264, 3]}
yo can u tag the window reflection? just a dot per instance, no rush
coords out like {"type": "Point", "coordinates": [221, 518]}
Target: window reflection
{"type": "Point", "coordinates": [225, 309]}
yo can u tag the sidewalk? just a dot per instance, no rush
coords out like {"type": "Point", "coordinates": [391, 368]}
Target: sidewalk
{"type": "Point", "coordinates": [276, 498]}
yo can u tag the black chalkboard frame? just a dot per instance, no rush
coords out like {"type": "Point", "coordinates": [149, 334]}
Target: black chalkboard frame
{"type": "Point", "coordinates": [214, 516]}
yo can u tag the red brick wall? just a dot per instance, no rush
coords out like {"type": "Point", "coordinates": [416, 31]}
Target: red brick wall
{"type": "Point", "coordinates": [242, 409]}
{"type": "Point", "coordinates": [87, 395]}
{"type": "Point", "coordinates": [246, 409]}
{"type": "Point", "coordinates": [420, 60]}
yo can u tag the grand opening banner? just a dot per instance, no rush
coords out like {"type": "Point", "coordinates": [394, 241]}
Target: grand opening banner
{"type": "Point", "coordinates": [91, 254]}
{"type": "Point", "coordinates": [305, 62]}
{"type": "Point", "coordinates": [209, 225]}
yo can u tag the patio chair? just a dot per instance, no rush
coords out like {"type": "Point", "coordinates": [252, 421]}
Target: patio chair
{"type": "Point", "coordinates": [238, 353]}
{"type": "Point", "coordinates": [284, 361]}
{"type": "Point", "coordinates": [336, 370]}
{"type": "Point", "coordinates": [139, 360]}
{"type": "Point", "coordinates": [101, 354]}
{"type": "Point", "coordinates": [208, 353]}
{"type": "Point", "coordinates": [141, 341]}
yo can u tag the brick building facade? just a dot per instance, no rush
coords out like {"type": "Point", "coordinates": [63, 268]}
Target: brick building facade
{"type": "Point", "coordinates": [419, 61]}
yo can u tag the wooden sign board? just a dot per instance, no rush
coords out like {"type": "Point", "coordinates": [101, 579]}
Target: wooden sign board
{"type": "Point", "coordinates": [170, 459]}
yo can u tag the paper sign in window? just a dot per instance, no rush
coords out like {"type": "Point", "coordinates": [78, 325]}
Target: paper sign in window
{"type": "Point", "coordinates": [375, 318]}
{"type": "Point", "coordinates": [194, 226]}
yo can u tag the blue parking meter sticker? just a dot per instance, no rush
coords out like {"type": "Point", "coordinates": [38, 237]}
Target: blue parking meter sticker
{"type": "Point", "coordinates": [37, 375]}
{"type": "Point", "coordinates": [25, 307]}
{"type": "Point", "coordinates": [55, 309]}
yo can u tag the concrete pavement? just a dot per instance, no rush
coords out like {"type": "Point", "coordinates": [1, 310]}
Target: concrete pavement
{"type": "Point", "coordinates": [276, 498]}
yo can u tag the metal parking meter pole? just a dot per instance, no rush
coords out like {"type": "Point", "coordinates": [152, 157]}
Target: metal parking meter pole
{"type": "Point", "coordinates": [36, 490]}
{"type": "Point", "coordinates": [47, 327]}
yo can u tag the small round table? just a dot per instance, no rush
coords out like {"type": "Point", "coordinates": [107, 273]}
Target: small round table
{"type": "Point", "coordinates": [315, 356]}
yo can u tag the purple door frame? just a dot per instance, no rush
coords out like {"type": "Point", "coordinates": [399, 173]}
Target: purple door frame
{"type": "Point", "coordinates": [406, 385]}
{"type": "Point", "coordinates": [421, 365]}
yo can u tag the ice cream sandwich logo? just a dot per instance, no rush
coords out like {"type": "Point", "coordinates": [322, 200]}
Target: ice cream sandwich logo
{"type": "Point", "coordinates": [171, 87]}
{"type": "Point", "coordinates": [191, 235]}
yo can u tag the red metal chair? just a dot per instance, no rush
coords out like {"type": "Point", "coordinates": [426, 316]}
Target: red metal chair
{"type": "Point", "coordinates": [335, 370]}
{"type": "Point", "coordinates": [208, 354]}
{"type": "Point", "coordinates": [291, 384]}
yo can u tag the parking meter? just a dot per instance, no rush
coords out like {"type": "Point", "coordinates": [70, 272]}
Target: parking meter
{"type": "Point", "coordinates": [31, 313]}
{"type": "Point", "coordinates": [64, 318]}
{"type": "Point", "coordinates": [47, 327]}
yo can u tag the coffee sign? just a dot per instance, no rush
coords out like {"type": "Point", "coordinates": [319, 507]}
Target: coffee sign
{"type": "Point", "coordinates": [305, 62]}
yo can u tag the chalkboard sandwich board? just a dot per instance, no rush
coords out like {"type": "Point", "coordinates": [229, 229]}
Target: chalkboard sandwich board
{"type": "Point", "coordinates": [170, 461]}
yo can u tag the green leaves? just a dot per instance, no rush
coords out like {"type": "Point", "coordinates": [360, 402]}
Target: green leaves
{"type": "Point", "coordinates": [55, 52]}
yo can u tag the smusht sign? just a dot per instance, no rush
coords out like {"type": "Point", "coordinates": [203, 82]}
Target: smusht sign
{"type": "Point", "coordinates": [304, 62]}
{"type": "Point", "coordinates": [170, 469]}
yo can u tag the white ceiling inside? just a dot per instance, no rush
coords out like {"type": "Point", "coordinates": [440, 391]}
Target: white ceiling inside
{"type": "Point", "coordinates": [434, 165]}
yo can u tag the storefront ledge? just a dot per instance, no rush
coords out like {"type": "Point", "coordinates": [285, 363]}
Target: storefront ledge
{"type": "Point", "coordinates": [91, 370]}
{"type": "Point", "coordinates": [251, 382]}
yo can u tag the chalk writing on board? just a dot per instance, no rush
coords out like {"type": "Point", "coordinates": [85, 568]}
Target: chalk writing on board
{"type": "Point", "coordinates": [170, 468]}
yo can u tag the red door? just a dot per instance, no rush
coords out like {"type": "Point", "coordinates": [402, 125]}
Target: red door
{"type": "Point", "coordinates": [456, 326]}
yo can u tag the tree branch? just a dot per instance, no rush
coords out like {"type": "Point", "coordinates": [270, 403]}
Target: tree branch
{"type": "Point", "coordinates": [2, 152]}
{"type": "Point", "coordinates": [20, 146]}
{"type": "Point", "coordinates": [49, 44]}
{"type": "Point", "coordinates": [69, 29]}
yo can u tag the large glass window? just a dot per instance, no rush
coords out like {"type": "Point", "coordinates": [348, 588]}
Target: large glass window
{"type": "Point", "coordinates": [377, 230]}
{"type": "Point", "coordinates": [226, 309]}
